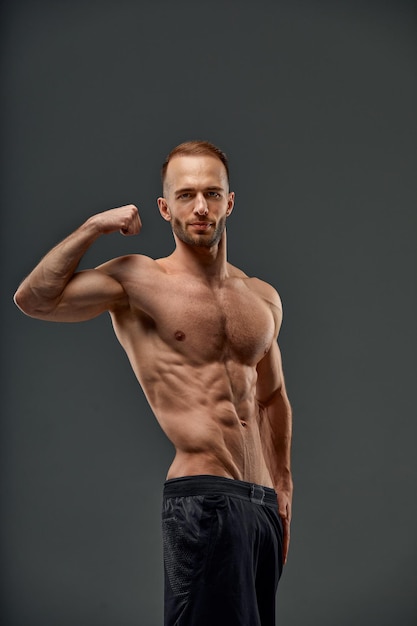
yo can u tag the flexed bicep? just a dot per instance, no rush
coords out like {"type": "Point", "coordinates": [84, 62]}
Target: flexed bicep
{"type": "Point", "coordinates": [88, 294]}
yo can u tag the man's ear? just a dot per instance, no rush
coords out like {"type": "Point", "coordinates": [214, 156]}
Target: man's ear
{"type": "Point", "coordinates": [163, 209]}
{"type": "Point", "coordinates": [230, 203]}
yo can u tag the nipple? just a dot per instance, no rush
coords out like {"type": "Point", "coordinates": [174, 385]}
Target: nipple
{"type": "Point", "coordinates": [179, 335]}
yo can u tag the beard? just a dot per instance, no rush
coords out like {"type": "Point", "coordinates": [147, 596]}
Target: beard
{"type": "Point", "coordinates": [204, 240]}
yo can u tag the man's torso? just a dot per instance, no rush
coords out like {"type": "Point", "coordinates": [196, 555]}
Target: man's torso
{"type": "Point", "coordinates": [194, 347]}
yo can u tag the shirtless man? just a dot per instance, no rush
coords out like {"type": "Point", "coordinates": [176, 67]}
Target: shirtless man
{"type": "Point", "coordinates": [201, 338]}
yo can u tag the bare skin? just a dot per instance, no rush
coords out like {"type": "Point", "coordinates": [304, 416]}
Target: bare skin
{"type": "Point", "coordinates": [200, 334]}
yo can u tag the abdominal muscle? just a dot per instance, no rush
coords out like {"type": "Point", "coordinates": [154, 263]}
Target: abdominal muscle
{"type": "Point", "coordinates": [210, 414]}
{"type": "Point", "coordinates": [234, 454]}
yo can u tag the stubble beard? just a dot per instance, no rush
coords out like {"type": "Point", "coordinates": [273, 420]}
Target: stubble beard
{"type": "Point", "coordinates": [199, 240]}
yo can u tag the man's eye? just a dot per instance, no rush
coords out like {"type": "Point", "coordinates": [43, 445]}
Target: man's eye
{"type": "Point", "coordinates": [213, 194]}
{"type": "Point", "coordinates": [184, 196]}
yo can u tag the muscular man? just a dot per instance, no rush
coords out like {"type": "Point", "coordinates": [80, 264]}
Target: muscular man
{"type": "Point", "coordinates": [201, 338]}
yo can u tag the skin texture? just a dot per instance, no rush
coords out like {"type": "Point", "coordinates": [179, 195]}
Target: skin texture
{"type": "Point", "coordinates": [200, 334]}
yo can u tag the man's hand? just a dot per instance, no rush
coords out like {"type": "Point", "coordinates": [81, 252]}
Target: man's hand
{"type": "Point", "coordinates": [284, 502]}
{"type": "Point", "coordinates": [124, 219]}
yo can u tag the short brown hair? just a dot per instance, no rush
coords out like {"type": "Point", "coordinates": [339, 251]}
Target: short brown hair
{"type": "Point", "coordinates": [195, 148]}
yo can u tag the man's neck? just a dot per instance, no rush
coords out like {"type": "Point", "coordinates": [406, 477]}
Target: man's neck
{"type": "Point", "coordinates": [209, 263]}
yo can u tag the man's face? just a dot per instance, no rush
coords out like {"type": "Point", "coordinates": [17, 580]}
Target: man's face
{"type": "Point", "coordinates": [197, 199]}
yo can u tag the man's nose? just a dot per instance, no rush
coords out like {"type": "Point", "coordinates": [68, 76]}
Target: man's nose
{"type": "Point", "coordinates": [200, 206]}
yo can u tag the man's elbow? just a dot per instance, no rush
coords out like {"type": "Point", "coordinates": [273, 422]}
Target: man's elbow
{"type": "Point", "coordinates": [21, 300]}
{"type": "Point", "coordinates": [267, 399]}
{"type": "Point", "coordinates": [26, 301]}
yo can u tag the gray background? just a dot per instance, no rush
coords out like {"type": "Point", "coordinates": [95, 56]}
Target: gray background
{"type": "Point", "coordinates": [315, 104]}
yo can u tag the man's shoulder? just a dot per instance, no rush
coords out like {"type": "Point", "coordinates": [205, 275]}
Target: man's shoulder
{"type": "Point", "coordinates": [129, 263]}
{"type": "Point", "coordinates": [266, 291]}
{"type": "Point", "coordinates": [260, 287]}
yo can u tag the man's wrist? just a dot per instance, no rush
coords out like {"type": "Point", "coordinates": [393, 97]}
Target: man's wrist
{"type": "Point", "coordinates": [284, 483]}
{"type": "Point", "coordinates": [93, 227]}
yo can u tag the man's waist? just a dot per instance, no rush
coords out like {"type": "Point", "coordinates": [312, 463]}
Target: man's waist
{"type": "Point", "coordinates": [204, 484]}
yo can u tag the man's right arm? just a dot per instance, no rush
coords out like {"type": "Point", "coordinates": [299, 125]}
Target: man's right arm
{"type": "Point", "coordinates": [54, 291]}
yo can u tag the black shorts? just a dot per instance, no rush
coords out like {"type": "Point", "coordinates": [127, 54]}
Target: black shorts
{"type": "Point", "coordinates": [222, 542]}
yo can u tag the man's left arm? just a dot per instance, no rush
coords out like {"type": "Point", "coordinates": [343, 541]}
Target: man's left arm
{"type": "Point", "coordinates": [276, 430]}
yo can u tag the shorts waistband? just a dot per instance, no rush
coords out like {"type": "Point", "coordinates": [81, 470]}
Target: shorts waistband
{"type": "Point", "coordinates": [208, 485]}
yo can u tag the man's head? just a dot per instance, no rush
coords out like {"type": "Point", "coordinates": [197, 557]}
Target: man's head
{"type": "Point", "coordinates": [195, 148]}
{"type": "Point", "coordinates": [196, 199]}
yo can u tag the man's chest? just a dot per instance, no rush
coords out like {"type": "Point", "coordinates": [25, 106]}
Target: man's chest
{"type": "Point", "coordinates": [209, 324]}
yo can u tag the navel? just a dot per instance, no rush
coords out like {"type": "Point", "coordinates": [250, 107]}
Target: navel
{"type": "Point", "coordinates": [179, 335]}
{"type": "Point", "coordinates": [244, 424]}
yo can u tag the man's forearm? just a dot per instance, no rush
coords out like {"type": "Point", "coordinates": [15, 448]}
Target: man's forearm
{"type": "Point", "coordinates": [42, 288]}
{"type": "Point", "coordinates": [279, 419]}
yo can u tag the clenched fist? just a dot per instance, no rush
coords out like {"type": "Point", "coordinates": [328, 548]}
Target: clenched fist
{"type": "Point", "coordinates": [124, 219]}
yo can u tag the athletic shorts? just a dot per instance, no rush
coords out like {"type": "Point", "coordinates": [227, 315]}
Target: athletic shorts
{"type": "Point", "coordinates": [222, 541]}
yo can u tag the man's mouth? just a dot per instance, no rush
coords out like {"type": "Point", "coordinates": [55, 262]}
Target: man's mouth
{"type": "Point", "coordinates": [201, 225]}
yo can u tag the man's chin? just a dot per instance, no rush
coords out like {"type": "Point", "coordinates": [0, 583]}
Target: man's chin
{"type": "Point", "coordinates": [203, 240]}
